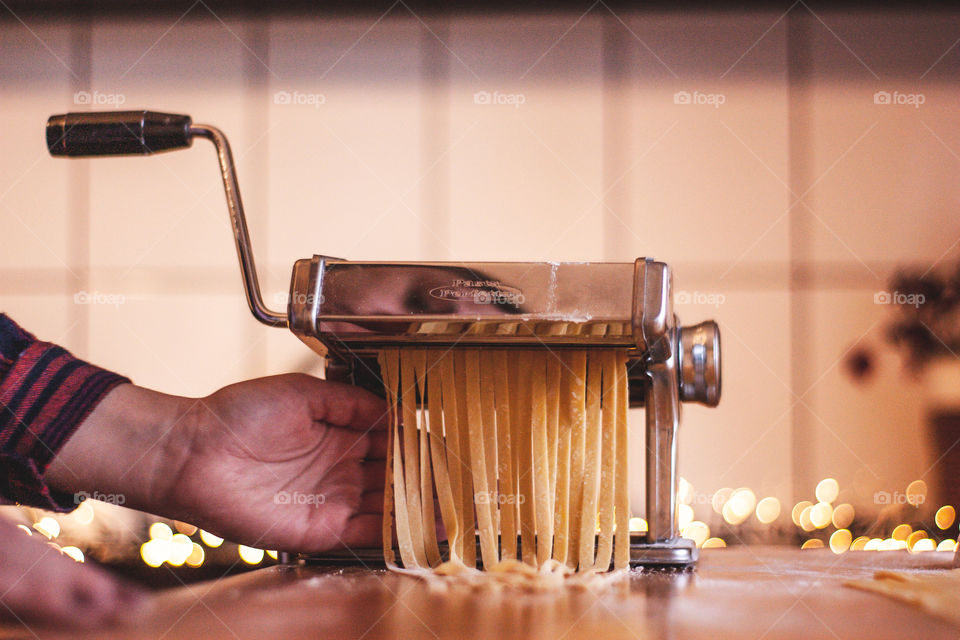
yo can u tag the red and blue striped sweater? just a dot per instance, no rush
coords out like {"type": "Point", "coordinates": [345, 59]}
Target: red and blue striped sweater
{"type": "Point", "coordinates": [45, 394]}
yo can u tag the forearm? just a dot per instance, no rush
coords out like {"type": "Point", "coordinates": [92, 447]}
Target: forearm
{"type": "Point", "coordinates": [127, 450]}
{"type": "Point", "coordinates": [45, 394]}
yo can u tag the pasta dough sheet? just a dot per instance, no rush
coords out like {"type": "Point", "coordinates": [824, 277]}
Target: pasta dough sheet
{"type": "Point", "coordinates": [523, 450]}
{"type": "Point", "coordinates": [936, 593]}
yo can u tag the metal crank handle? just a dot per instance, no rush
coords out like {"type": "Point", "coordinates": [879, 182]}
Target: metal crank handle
{"type": "Point", "coordinates": [121, 133]}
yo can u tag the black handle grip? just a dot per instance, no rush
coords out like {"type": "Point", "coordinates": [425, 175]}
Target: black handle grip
{"type": "Point", "coordinates": [117, 133]}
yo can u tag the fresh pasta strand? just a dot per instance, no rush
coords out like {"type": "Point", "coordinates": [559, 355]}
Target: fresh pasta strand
{"type": "Point", "coordinates": [523, 446]}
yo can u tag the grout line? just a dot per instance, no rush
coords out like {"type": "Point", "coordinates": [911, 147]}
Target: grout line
{"type": "Point", "coordinates": [78, 196]}
{"type": "Point", "coordinates": [435, 99]}
{"type": "Point", "coordinates": [223, 278]}
{"type": "Point", "coordinates": [802, 440]}
{"type": "Point", "coordinates": [615, 74]}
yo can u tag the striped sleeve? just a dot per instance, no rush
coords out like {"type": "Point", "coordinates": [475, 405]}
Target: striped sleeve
{"type": "Point", "coordinates": [45, 394]}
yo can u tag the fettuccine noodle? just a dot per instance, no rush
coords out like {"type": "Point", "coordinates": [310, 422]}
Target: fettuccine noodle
{"type": "Point", "coordinates": [523, 450]}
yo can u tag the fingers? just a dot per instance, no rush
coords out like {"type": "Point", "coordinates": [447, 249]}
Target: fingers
{"type": "Point", "coordinates": [377, 449]}
{"type": "Point", "coordinates": [343, 405]}
{"type": "Point", "coordinates": [363, 530]}
{"type": "Point", "coordinates": [371, 503]}
{"type": "Point", "coordinates": [374, 475]}
{"type": "Point", "coordinates": [40, 584]}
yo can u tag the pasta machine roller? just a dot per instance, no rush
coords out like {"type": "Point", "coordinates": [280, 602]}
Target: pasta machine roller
{"type": "Point", "coordinates": [347, 310]}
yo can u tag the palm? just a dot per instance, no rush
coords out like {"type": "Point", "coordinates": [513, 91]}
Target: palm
{"type": "Point", "coordinates": [288, 462]}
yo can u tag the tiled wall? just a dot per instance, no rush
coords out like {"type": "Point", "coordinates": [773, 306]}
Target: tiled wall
{"type": "Point", "coordinates": [783, 209]}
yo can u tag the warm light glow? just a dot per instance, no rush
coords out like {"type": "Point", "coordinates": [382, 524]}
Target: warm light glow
{"type": "Point", "coordinates": [210, 540]}
{"type": "Point", "coordinates": [74, 553]}
{"type": "Point", "coordinates": [184, 528]}
{"type": "Point", "coordinates": [917, 492]}
{"type": "Point", "coordinates": [696, 531]}
{"type": "Point", "coordinates": [873, 544]}
{"type": "Point", "coordinates": [892, 544]}
{"type": "Point", "coordinates": [638, 524]}
{"type": "Point", "coordinates": [196, 557]}
{"type": "Point", "coordinates": [739, 507]}
{"type": "Point", "coordinates": [684, 515]}
{"type": "Point", "coordinates": [154, 552]}
{"type": "Point", "coordinates": [250, 555]}
{"type": "Point", "coordinates": [161, 531]}
{"type": "Point", "coordinates": [843, 516]}
{"type": "Point", "coordinates": [821, 514]}
{"type": "Point", "coordinates": [947, 545]}
{"type": "Point", "coordinates": [859, 544]}
{"type": "Point", "coordinates": [768, 510]}
{"type": "Point", "coordinates": [684, 491]}
{"type": "Point", "coordinates": [914, 537]}
{"type": "Point", "coordinates": [840, 541]}
{"type": "Point", "coordinates": [720, 498]}
{"type": "Point", "coordinates": [805, 523]}
{"type": "Point", "coordinates": [714, 543]}
{"type": "Point", "coordinates": [945, 516]}
{"type": "Point", "coordinates": [901, 532]}
{"type": "Point", "coordinates": [926, 544]}
{"type": "Point", "coordinates": [812, 543]}
{"type": "Point", "coordinates": [827, 490]}
{"type": "Point", "coordinates": [84, 513]}
{"type": "Point", "coordinates": [180, 549]}
{"type": "Point", "coordinates": [798, 509]}
{"type": "Point", "coordinates": [25, 529]}
{"type": "Point", "coordinates": [47, 526]}
{"type": "Point", "coordinates": [272, 554]}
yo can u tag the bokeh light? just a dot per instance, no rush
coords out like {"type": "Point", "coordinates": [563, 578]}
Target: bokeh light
{"type": "Point", "coordinates": [250, 555]}
{"type": "Point", "coordinates": [827, 490]}
{"type": "Point", "coordinates": [840, 541]}
{"type": "Point", "coordinates": [768, 510]}
{"type": "Point", "coordinates": [210, 540]}
{"type": "Point", "coordinates": [945, 517]}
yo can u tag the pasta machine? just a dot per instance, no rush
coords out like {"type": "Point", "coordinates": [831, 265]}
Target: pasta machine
{"type": "Point", "coordinates": [346, 310]}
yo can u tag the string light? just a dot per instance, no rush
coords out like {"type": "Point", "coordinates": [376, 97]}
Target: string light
{"type": "Point", "coordinates": [821, 515]}
{"type": "Point", "coordinates": [827, 490]}
{"type": "Point", "coordinates": [720, 498]}
{"type": "Point", "coordinates": [638, 524]}
{"type": "Point", "coordinates": [843, 516]}
{"type": "Point", "coordinates": [73, 552]}
{"type": "Point", "coordinates": [901, 532]}
{"type": "Point", "coordinates": [945, 516]}
{"type": "Point", "coordinates": [915, 537]}
{"type": "Point", "coordinates": [47, 526]}
{"type": "Point", "coordinates": [768, 510]}
{"type": "Point", "coordinates": [160, 531]}
{"type": "Point", "coordinates": [196, 557]}
{"type": "Point", "coordinates": [210, 540]}
{"type": "Point", "coordinates": [860, 543]}
{"type": "Point", "coordinates": [250, 555]}
{"type": "Point", "coordinates": [947, 545]}
{"type": "Point", "coordinates": [917, 492]}
{"type": "Point", "coordinates": [697, 531]}
{"type": "Point", "coordinates": [840, 541]}
{"type": "Point", "coordinates": [924, 544]}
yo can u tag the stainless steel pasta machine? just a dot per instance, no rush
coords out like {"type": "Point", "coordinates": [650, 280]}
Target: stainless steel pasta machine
{"type": "Point", "coordinates": [347, 310]}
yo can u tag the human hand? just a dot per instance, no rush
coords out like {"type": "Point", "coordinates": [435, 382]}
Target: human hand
{"type": "Point", "coordinates": [288, 462]}
{"type": "Point", "coordinates": [40, 585]}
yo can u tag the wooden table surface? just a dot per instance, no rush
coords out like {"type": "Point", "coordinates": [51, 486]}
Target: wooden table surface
{"type": "Point", "coordinates": [741, 592]}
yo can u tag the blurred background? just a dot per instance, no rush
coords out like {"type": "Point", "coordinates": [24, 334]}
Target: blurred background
{"type": "Point", "coordinates": [796, 166]}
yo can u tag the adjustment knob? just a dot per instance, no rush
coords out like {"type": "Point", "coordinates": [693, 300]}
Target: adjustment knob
{"type": "Point", "coordinates": [699, 363]}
